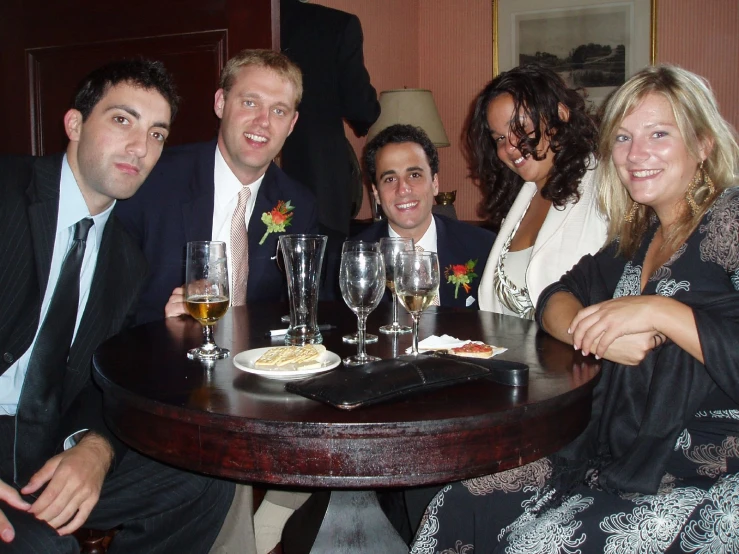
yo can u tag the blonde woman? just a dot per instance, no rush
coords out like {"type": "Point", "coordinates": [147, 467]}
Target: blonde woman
{"type": "Point", "coordinates": [657, 468]}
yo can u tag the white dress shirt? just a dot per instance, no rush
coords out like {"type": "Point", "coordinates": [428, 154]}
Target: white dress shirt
{"type": "Point", "coordinates": [72, 208]}
{"type": "Point", "coordinates": [428, 240]}
{"type": "Point", "coordinates": [227, 188]}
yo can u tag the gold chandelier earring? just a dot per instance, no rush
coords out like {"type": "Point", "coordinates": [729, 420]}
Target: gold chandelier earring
{"type": "Point", "coordinates": [700, 180]}
{"type": "Point", "coordinates": [631, 215]}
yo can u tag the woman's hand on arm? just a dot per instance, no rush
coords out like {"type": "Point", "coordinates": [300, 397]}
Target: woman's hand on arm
{"type": "Point", "coordinates": [625, 326]}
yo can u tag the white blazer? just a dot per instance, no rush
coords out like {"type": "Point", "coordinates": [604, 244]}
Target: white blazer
{"type": "Point", "coordinates": [567, 234]}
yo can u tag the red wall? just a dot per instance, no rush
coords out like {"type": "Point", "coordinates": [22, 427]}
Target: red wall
{"type": "Point", "coordinates": [446, 46]}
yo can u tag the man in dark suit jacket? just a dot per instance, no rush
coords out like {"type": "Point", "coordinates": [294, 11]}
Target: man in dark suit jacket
{"type": "Point", "coordinates": [60, 466]}
{"type": "Point", "coordinates": [195, 183]}
{"type": "Point", "coordinates": [193, 195]}
{"type": "Point", "coordinates": [327, 46]}
{"type": "Point", "coordinates": [403, 165]}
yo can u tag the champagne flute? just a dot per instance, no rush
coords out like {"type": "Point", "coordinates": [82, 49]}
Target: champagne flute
{"type": "Point", "coordinates": [359, 246]}
{"type": "Point", "coordinates": [362, 282]}
{"type": "Point", "coordinates": [206, 293]}
{"type": "Point", "coordinates": [416, 284]}
{"type": "Point", "coordinates": [390, 247]}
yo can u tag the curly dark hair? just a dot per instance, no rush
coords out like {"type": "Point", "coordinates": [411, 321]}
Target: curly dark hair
{"type": "Point", "coordinates": [537, 92]}
{"type": "Point", "coordinates": [393, 135]}
{"type": "Point", "coordinates": [147, 74]}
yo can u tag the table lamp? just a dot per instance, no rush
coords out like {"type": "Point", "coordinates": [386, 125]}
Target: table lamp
{"type": "Point", "coordinates": [411, 106]}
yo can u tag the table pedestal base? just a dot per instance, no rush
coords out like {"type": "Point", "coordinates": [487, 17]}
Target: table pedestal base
{"type": "Point", "coordinates": [354, 524]}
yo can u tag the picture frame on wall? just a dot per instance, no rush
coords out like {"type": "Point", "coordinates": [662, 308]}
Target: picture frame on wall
{"type": "Point", "coordinates": [595, 45]}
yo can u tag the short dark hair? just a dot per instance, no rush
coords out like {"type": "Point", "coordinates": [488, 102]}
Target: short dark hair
{"type": "Point", "coordinates": [396, 134]}
{"type": "Point", "coordinates": [146, 74]}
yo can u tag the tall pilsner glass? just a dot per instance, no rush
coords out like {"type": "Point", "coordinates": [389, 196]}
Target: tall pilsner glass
{"type": "Point", "coordinates": [416, 284]}
{"type": "Point", "coordinates": [390, 248]}
{"type": "Point", "coordinates": [206, 293]}
{"type": "Point", "coordinates": [362, 282]}
{"type": "Point", "coordinates": [303, 255]}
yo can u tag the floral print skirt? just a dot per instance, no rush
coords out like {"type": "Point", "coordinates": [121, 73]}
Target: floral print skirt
{"type": "Point", "coordinates": [498, 514]}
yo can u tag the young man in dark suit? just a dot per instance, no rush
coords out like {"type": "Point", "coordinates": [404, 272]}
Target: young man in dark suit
{"type": "Point", "coordinates": [403, 165]}
{"type": "Point", "coordinates": [197, 191]}
{"type": "Point", "coordinates": [70, 275]}
{"type": "Point", "coordinates": [208, 191]}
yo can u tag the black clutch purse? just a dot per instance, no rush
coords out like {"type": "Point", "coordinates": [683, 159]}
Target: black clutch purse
{"type": "Point", "coordinates": [375, 382]}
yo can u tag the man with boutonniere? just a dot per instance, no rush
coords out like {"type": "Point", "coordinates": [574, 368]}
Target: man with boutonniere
{"type": "Point", "coordinates": [403, 166]}
{"type": "Point", "coordinates": [229, 190]}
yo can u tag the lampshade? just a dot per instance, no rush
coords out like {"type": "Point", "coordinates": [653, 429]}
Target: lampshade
{"type": "Point", "coordinates": [411, 106]}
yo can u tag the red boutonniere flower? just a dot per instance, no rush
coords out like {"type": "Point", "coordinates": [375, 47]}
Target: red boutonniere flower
{"type": "Point", "coordinates": [277, 219]}
{"type": "Point", "coordinates": [461, 274]}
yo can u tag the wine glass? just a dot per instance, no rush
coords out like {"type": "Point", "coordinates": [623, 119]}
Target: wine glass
{"type": "Point", "coordinates": [362, 282]}
{"type": "Point", "coordinates": [206, 293]}
{"type": "Point", "coordinates": [390, 247]}
{"type": "Point", "coordinates": [359, 246]}
{"type": "Point", "coordinates": [416, 284]}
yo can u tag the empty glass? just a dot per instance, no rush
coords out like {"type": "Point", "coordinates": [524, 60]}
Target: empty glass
{"type": "Point", "coordinates": [206, 293]}
{"type": "Point", "coordinates": [359, 246]}
{"type": "Point", "coordinates": [416, 284]}
{"type": "Point", "coordinates": [390, 247]}
{"type": "Point", "coordinates": [303, 255]}
{"type": "Point", "coordinates": [362, 282]}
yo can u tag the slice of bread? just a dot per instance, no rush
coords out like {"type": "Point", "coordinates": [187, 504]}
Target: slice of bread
{"type": "Point", "coordinates": [473, 350]}
{"type": "Point", "coordinates": [296, 356]}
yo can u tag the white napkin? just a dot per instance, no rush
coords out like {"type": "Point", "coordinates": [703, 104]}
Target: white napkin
{"type": "Point", "coordinates": [444, 342]}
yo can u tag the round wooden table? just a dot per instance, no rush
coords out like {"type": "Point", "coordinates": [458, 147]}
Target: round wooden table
{"type": "Point", "coordinates": [225, 422]}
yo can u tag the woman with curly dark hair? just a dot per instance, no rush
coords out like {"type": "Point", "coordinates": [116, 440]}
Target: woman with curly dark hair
{"type": "Point", "coordinates": [531, 144]}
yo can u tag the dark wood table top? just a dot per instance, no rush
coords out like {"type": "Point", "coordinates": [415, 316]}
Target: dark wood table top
{"type": "Point", "coordinates": [229, 423]}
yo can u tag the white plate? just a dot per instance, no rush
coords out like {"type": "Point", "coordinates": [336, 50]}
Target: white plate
{"type": "Point", "coordinates": [245, 361]}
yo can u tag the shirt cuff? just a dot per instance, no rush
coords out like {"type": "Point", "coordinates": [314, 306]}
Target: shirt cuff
{"type": "Point", "coordinates": [74, 438]}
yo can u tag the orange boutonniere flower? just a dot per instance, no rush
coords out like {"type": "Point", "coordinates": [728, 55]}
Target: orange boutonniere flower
{"type": "Point", "coordinates": [277, 219]}
{"type": "Point", "coordinates": [461, 274]}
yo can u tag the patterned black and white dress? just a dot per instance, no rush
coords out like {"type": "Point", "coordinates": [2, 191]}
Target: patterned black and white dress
{"type": "Point", "coordinates": [696, 506]}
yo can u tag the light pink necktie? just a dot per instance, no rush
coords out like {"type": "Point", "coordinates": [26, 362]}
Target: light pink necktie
{"type": "Point", "coordinates": [435, 301]}
{"type": "Point", "coordinates": [240, 249]}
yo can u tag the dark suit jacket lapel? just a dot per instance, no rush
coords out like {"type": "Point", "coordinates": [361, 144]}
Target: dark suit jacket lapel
{"type": "Point", "coordinates": [105, 309]}
{"type": "Point", "coordinates": [446, 250]}
{"type": "Point", "coordinates": [269, 194]}
{"type": "Point", "coordinates": [43, 209]}
{"type": "Point", "coordinates": [197, 210]}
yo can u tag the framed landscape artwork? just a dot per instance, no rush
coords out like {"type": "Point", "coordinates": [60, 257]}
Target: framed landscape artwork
{"type": "Point", "coordinates": [593, 44]}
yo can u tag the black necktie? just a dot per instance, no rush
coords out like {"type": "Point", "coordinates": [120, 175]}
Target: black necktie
{"type": "Point", "coordinates": [39, 407]}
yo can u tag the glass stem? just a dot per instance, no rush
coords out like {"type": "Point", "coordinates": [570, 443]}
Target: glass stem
{"type": "Point", "coordinates": [209, 343]}
{"type": "Point", "coordinates": [395, 310]}
{"type": "Point", "coordinates": [416, 319]}
{"type": "Point", "coordinates": [361, 328]}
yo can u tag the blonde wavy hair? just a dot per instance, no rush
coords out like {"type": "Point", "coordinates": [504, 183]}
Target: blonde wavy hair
{"type": "Point", "coordinates": [701, 127]}
{"type": "Point", "coordinates": [268, 59]}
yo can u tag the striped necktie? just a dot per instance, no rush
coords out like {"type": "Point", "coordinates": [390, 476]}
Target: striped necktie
{"type": "Point", "coordinates": [240, 249]}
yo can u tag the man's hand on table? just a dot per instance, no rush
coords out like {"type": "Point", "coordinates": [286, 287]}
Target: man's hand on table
{"type": "Point", "coordinates": [10, 496]}
{"type": "Point", "coordinates": [176, 304]}
{"type": "Point", "coordinates": [75, 478]}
